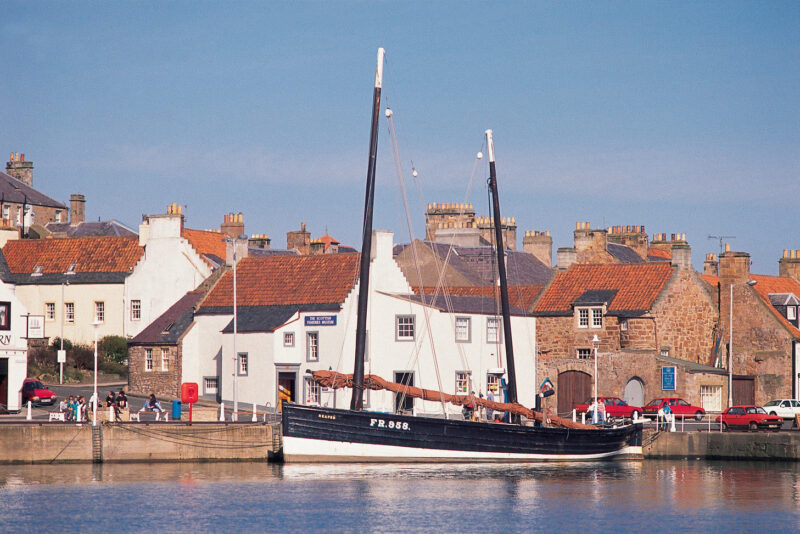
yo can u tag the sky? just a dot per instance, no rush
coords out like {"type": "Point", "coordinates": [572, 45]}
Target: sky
{"type": "Point", "coordinates": [680, 116]}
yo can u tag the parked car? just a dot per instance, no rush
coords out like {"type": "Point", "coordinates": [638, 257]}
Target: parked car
{"type": "Point", "coordinates": [677, 406]}
{"type": "Point", "coordinates": [786, 408]}
{"type": "Point", "coordinates": [750, 417]}
{"type": "Point", "coordinates": [615, 407]}
{"type": "Point", "coordinates": [33, 390]}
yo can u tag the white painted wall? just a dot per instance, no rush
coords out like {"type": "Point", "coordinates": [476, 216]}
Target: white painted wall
{"type": "Point", "coordinates": [168, 269]}
{"type": "Point", "coordinates": [14, 347]}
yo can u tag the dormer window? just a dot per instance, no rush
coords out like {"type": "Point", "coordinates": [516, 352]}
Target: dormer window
{"type": "Point", "coordinates": [71, 269]}
{"type": "Point", "coordinates": [590, 317]}
{"type": "Point", "coordinates": [37, 271]}
{"type": "Point", "coordinates": [791, 312]}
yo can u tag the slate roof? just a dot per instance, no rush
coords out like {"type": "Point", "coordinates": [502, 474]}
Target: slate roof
{"type": "Point", "coordinates": [478, 264]}
{"type": "Point", "coordinates": [268, 318]}
{"type": "Point", "coordinates": [14, 190]}
{"type": "Point", "coordinates": [521, 296]}
{"type": "Point", "coordinates": [286, 280]}
{"type": "Point", "coordinates": [170, 325]}
{"type": "Point", "coordinates": [271, 252]}
{"type": "Point", "coordinates": [87, 229]}
{"type": "Point", "coordinates": [693, 367]}
{"type": "Point", "coordinates": [637, 286]}
{"type": "Point", "coordinates": [107, 259]}
{"type": "Point", "coordinates": [623, 253]}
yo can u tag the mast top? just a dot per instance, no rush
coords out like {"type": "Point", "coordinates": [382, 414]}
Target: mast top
{"type": "Point", "coordinates": [379, 69]}
{"type": "Point", "coordinates": [490, 145]}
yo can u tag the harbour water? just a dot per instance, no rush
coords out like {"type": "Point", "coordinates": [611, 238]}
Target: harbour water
{"type": "Point", "coordinates": [647, 497]}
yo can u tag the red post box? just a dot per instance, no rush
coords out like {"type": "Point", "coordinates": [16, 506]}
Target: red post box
{"type": "Point", "coordinates": [189, 393]}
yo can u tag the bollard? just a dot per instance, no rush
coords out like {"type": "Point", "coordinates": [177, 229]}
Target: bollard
{"type": "Point", "coordinates": [110, 414]}
{"type": "Point", "coordinates": [635, 416]}
{"type": "Point", "coordinates": [255, 413]}
{"type": "Point", "coordinates": [29, 416]}
{"type": "Point", "coordinates": [583, 418]}
{"type": "Point", "coordinates": [672, 422]}
{"type": "Point", "coordinates": [222, 411]}
{"type": "Point", "coordinates": [574, 415]}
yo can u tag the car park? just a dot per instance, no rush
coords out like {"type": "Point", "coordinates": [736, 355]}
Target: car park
{"type": "Point", "coordinates": [785, 408]}
{"type": "Point", "coordinates": [676, 405]}
{"type": "Point", "coordinates": [614, 407]}
{"type": "Point", "coordinates": [750, 417]}
{"type": "Point", "coordinates": [34, 391]}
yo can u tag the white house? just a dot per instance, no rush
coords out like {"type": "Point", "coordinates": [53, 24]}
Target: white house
{"type": "Point", "coordinates": [298, 313]}
{"type": "Point", "coordinates": [13, 347]}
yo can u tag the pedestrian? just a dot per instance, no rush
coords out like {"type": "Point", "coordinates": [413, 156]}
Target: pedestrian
{"type": "Point", "coordinates": [122, 400]}
{"type": "Point", "coordinates": [667, 416]}
{"type": "Point", "coordinates": [111, 400]}
{"type": "Point", "coordinates": [72, 408]}
{"type": "Point", "coordinates": [82, 415]}
{"type": "Point", "coordinates": [490, 411]}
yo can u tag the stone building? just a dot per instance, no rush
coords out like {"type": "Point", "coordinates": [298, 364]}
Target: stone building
{"type": "Point", "coordinates": [20, 204]}
{"type": "Point", "coordinates": [457, 223]}
{"type": "Point", "coordinates": [644, 316]}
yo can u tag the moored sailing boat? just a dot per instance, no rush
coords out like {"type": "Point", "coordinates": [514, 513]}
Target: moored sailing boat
{"type": "Point", "coordinates": [312, 433]}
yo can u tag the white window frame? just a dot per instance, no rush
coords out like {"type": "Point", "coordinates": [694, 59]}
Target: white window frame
{"type": "Point", "coordinates": [463, 382]}
{"type": "Point", "coordinates": [791, 312]}
{"type": "Point", "coordinates": [584, 354]}
{"type": "Point", "coordinates": [623, 325]}
{"type": "Point", "coordinates": [7, 212]}
{"type": "Point", "coordinates": [583, 317]}
{"type": "Point", "coordinates": [244, 363]}
{"type": "Point", "coordinates": [403, 324]}
{"type": "Point", "coordinates": [148, 360]}
{"type": "Point", "coordinates": [312, 346]}
{"type": "Point", "coordinates": [463, 329]}
{"type": "Point", "coordinates": [493, 385]}
{"type": "Point", "coordinates": [312, 392]}
{"type": "Point", "coordinates": [100, 311]}
{"type": "Point", "coordinates": [58, 216]}
{"type": "Point", "coordinates": [597, 317]}
{"type": "Point", "coordinates": [50, 311]}
{"type": "Point", "coordinates": [207, 390]}
{"type": "Point", "coordinates": [288, 339]}
{"type": "Point", "coordinates": [711, 398]}
{"type": "Point", "coordinates": [69, 312]}
{"type": "Point", "coordinates": [136, 310]}
{"type": "Point", "coordinates": [497, 329]}
{"type": "Point", "coordinates": [164, 359]}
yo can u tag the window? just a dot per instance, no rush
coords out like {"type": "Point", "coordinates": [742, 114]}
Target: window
{"type": "Point", "coordinates": [492, 330]}
{"type": "Point", "coordinates": [165, 359]}
{"type": "Point", "coordinates": [243, 364]}
{"type": "Point", "coordinates": [623, 325]}
{"type": "Point", "coordinates": [58, 216]}
{"type": "Point", "coordinates": [711, 398]}
{"type": "Point", "coordinates": [463, 329]}
{"type": "Point", "coordinates": [584, 354]}
{"type": "Point", "coordinates": [19, 215]}
{"type": "Point", "coordinates": [404, 328]}
{"type": "Point", "coordinates": [462, 382]}
{"type": "Point", "coordinates": [148, 359]}
{"type": "Point", "coordinates": [288, 339]}
{"type": "Point", "coordinates": [210, 385]}
{"type": "Point", "coordinates": [583, 318]}
{"type": "Point", "coordinates": [100, 311]}
{"type": "Point", "coordinates": [791, 313]}
{"type": "Point", "coordinates": [136, 310]}
{"type": "Point", "coordinates": [597, 317]}
{"type": "Point", "coordinates": [50, 311]}
{"type": "Point", "coordinates": [312, 389]}
{"type": "Point", "coordinates": [6, 212]}
{"type": "Point", "coordinates": [493, 384]}
{"type": "Point", "coordinates": [69, 312]}
{"type": "Point", "coordinates": [312, 346]}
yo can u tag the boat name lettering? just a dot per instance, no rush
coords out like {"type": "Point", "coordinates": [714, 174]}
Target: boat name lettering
{"type": "Point", "coordinates": [326, 416]}
{"type": "Point", "coordinates": [394, 425]}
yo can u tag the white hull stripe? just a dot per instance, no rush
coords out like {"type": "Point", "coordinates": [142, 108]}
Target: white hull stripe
{"type": "Point", "coordinates": [308, 450]}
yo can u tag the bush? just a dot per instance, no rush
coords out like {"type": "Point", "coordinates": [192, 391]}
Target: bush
{"type": "Point", "coordinates": [56, 344]}
{"type": "Point", "coordinates": [113, 348]}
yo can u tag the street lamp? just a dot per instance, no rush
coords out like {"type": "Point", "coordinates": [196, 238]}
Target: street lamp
{"type": "Point", "coordinates": [61, 354]}
{"type": "Point", "coordinates": [730, 340]}
{"type": "Point", "coordinates": [235, 415]}
{"type": "Point", "coordinates": [96, 325]}
{"type": "Point", "coordinates": [596, 343]}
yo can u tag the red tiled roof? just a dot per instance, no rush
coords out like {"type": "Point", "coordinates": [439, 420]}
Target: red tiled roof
{"type": "Point", "coordinates": [277, 280]}
{"type": "Point", "coordinates": [711, 279]}
{"type": "Point", "coordinates": [659, 253]}
{"type": "Point", "coordinates": [327, 240]}
{"type": "Point", "coordinates": [521, 296]}
{"type": "Point", "coordinates": [206, 241]}
{"type": "Point", "coordinates": [637, 284]}
{"type": "Point", "coordinates": [776, 284]}
{"type": "Point", "coordinates": [106, 254]}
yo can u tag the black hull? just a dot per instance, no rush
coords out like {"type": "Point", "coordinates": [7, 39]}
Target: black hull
{"type": "Point", "coordinates": [325, 434]}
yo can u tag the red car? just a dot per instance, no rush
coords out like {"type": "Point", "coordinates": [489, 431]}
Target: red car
{"type": "Point", "coordinates": [33, 390]}
{"type": "Point", "coordinates": [750, 417]}
{"type": "Point", "coordinates": [677, 406]}
{"type": "Point", "coordinates": [615, 407]}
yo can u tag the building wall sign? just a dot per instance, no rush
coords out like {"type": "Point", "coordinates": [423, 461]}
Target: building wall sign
{"type": "Point", "coordinates": [320, 320]}
{"type": "Point", "coordinates": [668, 378]}
{"type": "Point", "coordinates": [35, 326]}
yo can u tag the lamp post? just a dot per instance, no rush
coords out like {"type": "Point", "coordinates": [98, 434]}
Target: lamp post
{"type": "Point", "coordinates": [60, 352]}
{"type": "Point", "coordinates": [235, 415]}
{"type": "Point", "coordinates": [595, 342]}
{"type": "Point", "coordinates": [96, 325]}
{"type": "Point", "coordinates": [730, 340]}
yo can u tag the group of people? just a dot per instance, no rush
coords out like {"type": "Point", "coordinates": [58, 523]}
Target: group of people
{"type": "Point", "coordinates": [75, 408]}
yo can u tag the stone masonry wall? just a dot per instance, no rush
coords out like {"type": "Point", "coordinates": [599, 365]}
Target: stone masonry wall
{"type": "Point", "coordinates": [165, 384]}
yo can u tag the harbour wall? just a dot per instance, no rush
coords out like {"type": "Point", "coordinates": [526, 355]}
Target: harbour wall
{"type": "Point", "coordinates": [137, 442]}
{"type": "Point", "coordinates": [781, 446]}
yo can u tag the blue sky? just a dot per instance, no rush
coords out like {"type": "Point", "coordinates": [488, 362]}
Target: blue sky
{"type": "Point", "coordinates": [680, 116]}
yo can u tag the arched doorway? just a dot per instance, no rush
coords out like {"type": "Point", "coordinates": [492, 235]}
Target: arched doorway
{"type": "Point", "coordinates": [574, 387]}
{"type": "Point", "coordinates": [634, 392]}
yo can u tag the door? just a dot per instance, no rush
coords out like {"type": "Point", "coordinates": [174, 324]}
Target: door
{"type": "Point", "coordinates": [287, 387]}
{"type": "Point", "coordinates": [634, 392]}
{"type": "Point", "coordinates": [574, 387]}
{"type": "Point", "coordinates": [4, 382]}
{"type": "Point", "coordinates": [744, 390]}
{"type": "Point", "coordinates": [403, 403]}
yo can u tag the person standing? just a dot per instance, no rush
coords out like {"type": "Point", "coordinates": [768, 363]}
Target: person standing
{"type": "Point", "coordinates": [490, 411]}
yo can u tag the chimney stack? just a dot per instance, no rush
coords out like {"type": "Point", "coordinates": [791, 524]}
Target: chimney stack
{"type": "Point", "coordinates": [19, 168]}
{"type": "Point", "coordinates": [540, 245]}
{"type": "Point", "coordinates": [259, 241]}
{"type": "Point", "coordinates": [734, 267]}
{"type": "Point", "coordinates": [299, 239]}
{"type": "Point", "coordinates": [681, 256]}
{"type": "Point", "coordinates": [565, 257]}
{"type": "Point", "coordinates": [77, 209]}
{"type": "Point", "coordinates": [711, 265]}
{"type": "Point", "coordinates": [233, 225]}
{"type": "Point", "coordinates": [789, 265]}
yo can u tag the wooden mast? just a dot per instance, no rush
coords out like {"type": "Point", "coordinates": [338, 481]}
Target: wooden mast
{"type": "Point", "coordinates": [501, 268]}
{"type": "Point", "coordinates": [357, 400]}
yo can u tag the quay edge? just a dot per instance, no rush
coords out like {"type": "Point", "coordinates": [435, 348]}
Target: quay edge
{"type": "Point", "coordinates": [775, 446]}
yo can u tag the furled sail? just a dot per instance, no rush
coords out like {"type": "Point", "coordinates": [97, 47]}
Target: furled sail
{"type": "Point", "coordinates": [334, 380]}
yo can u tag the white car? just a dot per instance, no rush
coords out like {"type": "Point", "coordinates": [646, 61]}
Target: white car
{"type": "Point", "coordinates": [786, 408]}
